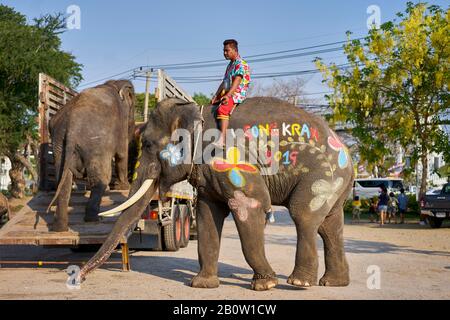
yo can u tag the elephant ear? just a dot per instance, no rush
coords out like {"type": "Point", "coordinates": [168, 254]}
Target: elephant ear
{"type": "Point", "coordinates": [125, 89]}
{"type": "Point", "coordinates": [179, 114]}
{"type": "Point", "coordinates": [126, 93]}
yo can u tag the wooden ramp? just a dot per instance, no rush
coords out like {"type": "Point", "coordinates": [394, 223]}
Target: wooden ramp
{"type": "Point", "coordinates": [32, 225]}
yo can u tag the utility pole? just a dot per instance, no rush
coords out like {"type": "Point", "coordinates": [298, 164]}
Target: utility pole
{"type": "Point", "coordinates": [147, 93]}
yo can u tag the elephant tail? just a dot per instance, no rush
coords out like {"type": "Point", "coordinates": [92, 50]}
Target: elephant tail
{"type": "Point", "coordinates": [69, 156]}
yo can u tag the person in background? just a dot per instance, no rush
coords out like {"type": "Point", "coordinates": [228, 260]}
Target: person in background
{"type": "Point", "coordinates": [356, 204]}
{"type": "Point", "coordinates": [383, 204]}
{"type": "Point", "coordinates": [402, 205]}
{"type": "Point", "coordinates": [392, 208]}
{"type": "Point", "coordinates": [373, 209]}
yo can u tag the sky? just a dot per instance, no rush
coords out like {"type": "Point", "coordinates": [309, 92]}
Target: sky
{"type": "Point", "coordinates": [116, 36]}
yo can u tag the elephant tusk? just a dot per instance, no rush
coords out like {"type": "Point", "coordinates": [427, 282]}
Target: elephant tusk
{"type": "Point", "coordinates": [134, 198]}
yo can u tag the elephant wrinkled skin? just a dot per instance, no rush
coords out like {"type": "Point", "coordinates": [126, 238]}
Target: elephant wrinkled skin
{"type": "Point", "coordinates": [314, 178]}
{"type": "Point", "coordinates": [87, 133]}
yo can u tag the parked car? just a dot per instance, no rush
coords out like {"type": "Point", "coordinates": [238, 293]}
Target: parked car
{"type": "Point", "coordinates": [370, 187]}
{"type": "Point", "coordinates": [436, 206]}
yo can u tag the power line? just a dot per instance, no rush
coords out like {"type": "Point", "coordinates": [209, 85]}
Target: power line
{"type": "Point", "coordinates": [213, 63]}
{"type": "Point", "coordinates": [254, 76]}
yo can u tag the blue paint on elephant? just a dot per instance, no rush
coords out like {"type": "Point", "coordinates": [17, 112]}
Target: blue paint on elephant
{"type": "Point", "coordinates": [172, 154]}
{"type": "Point", "coordinates": [236, 178]}
{"type": "Point", "coordinates": [342, 159]}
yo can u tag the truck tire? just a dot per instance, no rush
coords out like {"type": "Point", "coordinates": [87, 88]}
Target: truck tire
{"type": "Point", "coordinates": [185, 224]}
{"type": "Point", "coordinates": [173, 232]}
{"type": "Point", "coordinates": [435, 222]}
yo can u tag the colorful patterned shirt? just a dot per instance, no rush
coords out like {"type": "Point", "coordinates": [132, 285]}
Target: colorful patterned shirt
{"type": "Point", "coordinates": [238, 67]}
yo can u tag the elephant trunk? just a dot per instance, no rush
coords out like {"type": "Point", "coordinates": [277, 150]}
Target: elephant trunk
{"type": "Point", "coordinates": [121, 227]}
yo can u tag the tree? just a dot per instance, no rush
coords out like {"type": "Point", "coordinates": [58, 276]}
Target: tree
{"type": "Point", "coordinates": [395, 87]}
{"type": "Point", "coordinates": [290, 90]}
{"type": "Point", "coordinates": [201, 99]}
{"type": "Point", "coordinates": [25, 51]}
{"type": "Point", "coordinates": [139, 108]}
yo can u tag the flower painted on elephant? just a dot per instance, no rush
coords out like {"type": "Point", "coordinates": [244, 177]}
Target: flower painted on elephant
{"type": "Point", "coordinates": [234, 167]}
{"type": "Point", "coordinates": [335, 143]}
{"type": "Point", "coordinates": [240, 204]}
{"type": "Point", "coordinates": [172, 154]}
{"type": "Point", "coordinates": [324, 192]}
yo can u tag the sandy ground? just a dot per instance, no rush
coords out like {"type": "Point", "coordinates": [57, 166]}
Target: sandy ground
{"type": "Point", "coordinates": [413, 260]}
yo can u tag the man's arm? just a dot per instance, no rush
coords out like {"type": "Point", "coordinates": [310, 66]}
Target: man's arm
{"type": "Point", "coordinates": [215, 99]}
{"type": "Point", "coordinates": [234, 85]}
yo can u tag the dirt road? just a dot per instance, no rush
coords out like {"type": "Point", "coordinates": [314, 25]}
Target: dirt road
{"type": "Point", "coordinates": [413, 263]}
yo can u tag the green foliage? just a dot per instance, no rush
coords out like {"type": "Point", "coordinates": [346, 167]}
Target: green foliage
{"type": "Point", "coordinates": [139, 109]}
{"type": "Point", "coordinates": [395, 89]}
{"type": "Point", "coordinates": [201, 99]}
{"type": "Point", "coordinates": [25, 51]}
{"type": "Point", "coordinates": [413, 204]}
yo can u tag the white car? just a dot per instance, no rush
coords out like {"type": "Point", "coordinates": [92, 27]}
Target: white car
{"type": "Point", "coordinates": [371, 187]}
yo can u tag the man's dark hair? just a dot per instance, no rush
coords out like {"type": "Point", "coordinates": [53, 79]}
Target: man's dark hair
{"type": "Point", "coordinates": [231, 42]}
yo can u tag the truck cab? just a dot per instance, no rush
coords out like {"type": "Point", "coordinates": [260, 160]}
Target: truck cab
{"type": "Point", "coordinates": [436, 206]}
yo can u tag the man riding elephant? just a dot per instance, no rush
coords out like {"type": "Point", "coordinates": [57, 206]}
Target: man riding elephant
{"type": "Point", "coordinates": [233, 89]}
{"type": "Point", "coordinates": [314, 178]}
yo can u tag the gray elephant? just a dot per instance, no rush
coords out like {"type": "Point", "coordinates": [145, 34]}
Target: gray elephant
{"type": "Point", "coordinates": [93, 128]}
{"type": "Point", "coordinates": [314, 178]}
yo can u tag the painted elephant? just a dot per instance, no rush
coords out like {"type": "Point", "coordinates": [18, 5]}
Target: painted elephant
{"type": "Point", "coordinates": [87, 133]}
{"type": "Point", "coordinates": [314, 178]}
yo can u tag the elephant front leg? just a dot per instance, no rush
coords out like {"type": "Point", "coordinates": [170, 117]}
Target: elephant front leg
{"type": "Point", "coordinates": [210, 218]}
{"type": "Point", "coordinates": [98, 176]}
{"type": "Point", "coordinates": [249, 217]}
{"type": "Point", "coordinates": [93, 205]}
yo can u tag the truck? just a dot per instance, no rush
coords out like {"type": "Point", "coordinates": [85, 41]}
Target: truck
{"type": "Point", "coordinates": [436, 206]}
{"type": "Point", "coordinates": [164, 225]}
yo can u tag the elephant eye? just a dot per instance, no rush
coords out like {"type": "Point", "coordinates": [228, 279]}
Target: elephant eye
{"type": "Point", "coordinates": [148, 145]}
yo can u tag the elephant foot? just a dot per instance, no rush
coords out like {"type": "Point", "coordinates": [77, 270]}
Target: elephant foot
{"type": "Point", "coordinates": [120, 186]}
{"type": "Point", "coordinates": [59, 226]}
{"type": "Point", "coordinates": [205, 282]}
{"type": "Point", "coordinates": [266, 282]}
{"type": "Point", "coordinates": [335, 280]}
{"type": "Point", "coordinates": [302, 280]}
{"type": "Point", "coordinates": [91, 218]}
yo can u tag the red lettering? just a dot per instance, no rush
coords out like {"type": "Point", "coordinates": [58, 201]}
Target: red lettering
{"type": "Point", "coordinates": [293, 157]}
{"type": "Point", "coordinates": [315, 134]}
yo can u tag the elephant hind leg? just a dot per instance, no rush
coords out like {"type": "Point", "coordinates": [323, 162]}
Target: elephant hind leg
{"type": "Point", "coordinates": [307, 222]}
{"type": "Point", "coordinates": [98, 176]}
{"type": "Point", "coordinates": [336, 266]}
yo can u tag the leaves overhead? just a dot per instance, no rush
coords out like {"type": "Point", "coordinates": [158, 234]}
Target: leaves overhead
{"type": "Point", "coordinates": [395, 89]}
{"type": "Point", "coordinates": [25, 51]}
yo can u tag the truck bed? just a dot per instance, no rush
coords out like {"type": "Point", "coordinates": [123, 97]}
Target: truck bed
{"type": "Point", "coordinates": [31, 226]}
